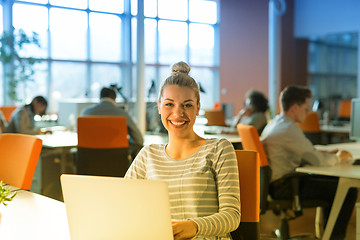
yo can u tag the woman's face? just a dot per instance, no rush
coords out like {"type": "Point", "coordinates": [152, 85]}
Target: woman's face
{"type": "Point", "coordinates": [39, 108]}
{"type": "Point", "coordinates": [178, 108]}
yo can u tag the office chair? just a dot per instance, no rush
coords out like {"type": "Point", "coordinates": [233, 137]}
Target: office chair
{"type": "Point", "coordinates": [249, 177]}
{"type": "Point", "coordinates": [287, 209]}
{"type": "Point", "coordinates": [344, 110]}
{"type": "Point", "coordinates": [311, 128]}
{"type": "Point", "coordinates": [7, 111]}
{"type": "Point", "coordinates": [19, 154]}
{"type": "Point", "coordinates": [215, 117]}
{"type": "Point", "coordinates": [103, 146]}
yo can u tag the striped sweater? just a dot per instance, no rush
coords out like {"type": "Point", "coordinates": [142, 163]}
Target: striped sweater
{"type": "Point", "coordinates": [203, 187]}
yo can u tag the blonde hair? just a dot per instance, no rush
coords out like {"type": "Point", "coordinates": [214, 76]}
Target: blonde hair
{"type": "Point", "coordinates": [180, 77]}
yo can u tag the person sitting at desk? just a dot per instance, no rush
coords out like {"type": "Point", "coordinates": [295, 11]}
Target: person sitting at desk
{"type": "Point", "coordinates": [107, 107]}
{"type": "Point", "coordinates": [22, 119]}
{"type": "Point", "coordinates": [254, 111]}
{"type": "Point", "coordinates": [287, 148]}
{"type": "Point", "coordinates": [202, 173]}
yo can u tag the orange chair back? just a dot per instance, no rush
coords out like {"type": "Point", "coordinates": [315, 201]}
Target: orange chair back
{"type": "Point", "coordinates": [249, 177]}
{"type": "Point", "coordinates": [101, 132]}
{"type": "Point", "coordinates": [7, 111]}
{"type": "Point", "coordinates": [344, 110]}
{"type": "Point", "coordinates": [215, 117]}
{"type": "Point", "coordinates": [19, 154]}
{"type": "Point", "coordinates": [250, 140]}
{"type": "Point", "coordinates": [217, 106]}
{"type": "Point", "coordinates": [311, 123]}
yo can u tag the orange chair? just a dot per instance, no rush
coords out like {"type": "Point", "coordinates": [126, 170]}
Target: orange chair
{"type": "Point", "coordinates": [103, 146]}
{"type": "Point", "coordinates": [344, 110]}
{"type": "Point", "coordinates": [19, 154]}
{"type": "Point", "coordinates": [7, 111]}
{"type": "Point", "coordinates": [215, 117]}
{"type": "Point", "coordinates": [251, 141]}
{"type": "Point", "coordinates": [311, 128]}
{"type": "Point", "coordinates": [249, 177]}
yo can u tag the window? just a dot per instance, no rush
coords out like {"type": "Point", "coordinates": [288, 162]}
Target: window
{"type": "Point", "coordinates": [182, 30]}
{"type": "Point", "coordinates": [332, 69]}
{"type": "Point", "coordinates": [88, 44]}
{"type": "Point", "coordinates": [68, 34]}
{"type": "Point", "coordinates": [105, 37]}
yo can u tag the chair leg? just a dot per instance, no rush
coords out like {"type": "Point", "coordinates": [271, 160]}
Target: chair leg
{"type": "Point", "coordinates": [284, 229]}
{"type": "Point", "coordinates": [319, 223]}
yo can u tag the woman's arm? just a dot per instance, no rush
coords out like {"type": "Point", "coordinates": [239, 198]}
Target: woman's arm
{"type": "Point", "coordinates": [226, 172]}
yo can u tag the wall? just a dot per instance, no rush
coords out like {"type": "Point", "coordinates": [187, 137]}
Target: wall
{"type": "Point", "coordinates": [243, 49]}
{"type": "Point", "coordinates": [322, 17]}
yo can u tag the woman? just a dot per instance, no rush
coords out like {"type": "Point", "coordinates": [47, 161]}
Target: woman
{"type": "Point", "coordinates": [22, 119]}
{"type": "Point", "coordinates": [202, 173]}
{"type": "Point", "coordinates": [254, 111]}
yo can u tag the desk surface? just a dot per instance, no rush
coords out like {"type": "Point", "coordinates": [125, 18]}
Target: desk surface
{"type": "Point", "coordinates": [349, 176]}
{"type": "Point", "coordinates": [340, 170]}
{"type": "Point", "coordinates": [34, 217]}
{"type": "Point", "coordinates": [69, 139]}
{"type": "Point", "coordinates": [345, 129]}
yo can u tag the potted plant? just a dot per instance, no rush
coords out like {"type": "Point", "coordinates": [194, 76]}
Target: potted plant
{"type": "Point", "coordinates": [18, 69]}
{"type": "Point", "coordinates": [5, 194]}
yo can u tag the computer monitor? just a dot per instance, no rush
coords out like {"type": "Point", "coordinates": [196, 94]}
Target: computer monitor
{"type": "Point", "coordinates": [355, 119]}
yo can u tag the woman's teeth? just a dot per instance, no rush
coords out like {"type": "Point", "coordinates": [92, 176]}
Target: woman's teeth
{"type": "Point", "coordinates": [178, 123]}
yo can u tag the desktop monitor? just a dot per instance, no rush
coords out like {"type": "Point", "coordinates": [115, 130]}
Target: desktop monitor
{"type": "Point", "coordinates": [355, 119]}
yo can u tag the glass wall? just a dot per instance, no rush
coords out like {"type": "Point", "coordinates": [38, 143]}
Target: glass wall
{"type": "Point", "coordinates": [332, 69]}
{"type": "Point", "coordinates": [88, 44]}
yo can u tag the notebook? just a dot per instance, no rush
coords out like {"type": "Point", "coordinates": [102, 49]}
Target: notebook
{"type": "Point", "coordinates": [116, 208]}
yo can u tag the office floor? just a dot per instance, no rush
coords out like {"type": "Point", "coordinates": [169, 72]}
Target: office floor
{"type": "Point", "coordinates": [303, 224]}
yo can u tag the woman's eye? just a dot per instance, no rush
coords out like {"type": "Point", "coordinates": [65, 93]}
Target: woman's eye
{"type": "Point", "coordinates": [168, 104]}
{"type": "Point", "coordinates": [188, 105]}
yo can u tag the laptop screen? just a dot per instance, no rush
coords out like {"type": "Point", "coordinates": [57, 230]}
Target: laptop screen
{"type": "Point", "coordinates": [116, 208]}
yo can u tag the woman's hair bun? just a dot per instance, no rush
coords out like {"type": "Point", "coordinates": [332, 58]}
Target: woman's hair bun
{"type": "Point", "coordinates": [180, 67]}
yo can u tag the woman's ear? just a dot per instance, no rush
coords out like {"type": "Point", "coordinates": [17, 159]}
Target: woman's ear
{"type": "Point", "coordinates": [198, 105]}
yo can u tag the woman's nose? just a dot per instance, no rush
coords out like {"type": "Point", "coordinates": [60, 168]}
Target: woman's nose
{"type": "Point", "coordinates": [179, 111]}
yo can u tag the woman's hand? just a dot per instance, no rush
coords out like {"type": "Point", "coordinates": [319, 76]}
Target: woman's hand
{"type": "Point", "coordinates": [184, 229]}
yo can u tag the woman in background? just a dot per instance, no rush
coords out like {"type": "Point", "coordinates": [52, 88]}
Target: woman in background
{"type": "Point", "coordinates": [202, 173]}
{"type": "Point", "coordinates": [22, 119]}
{"type": "Point", "coordinates": [254, 111]}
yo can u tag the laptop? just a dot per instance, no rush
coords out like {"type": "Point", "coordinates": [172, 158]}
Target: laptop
{"type": "Point", "coordinates": [116, 208]}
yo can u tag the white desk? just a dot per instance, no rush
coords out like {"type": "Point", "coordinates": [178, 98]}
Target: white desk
{"type": "Point", "coordinates": [349, 176]}
{"type": "Point", "coordinates": [344, 129]}
{"type": "Point", "coordinates": [63, 141]}
{"type": "Point", "coordinates": [33, 217]}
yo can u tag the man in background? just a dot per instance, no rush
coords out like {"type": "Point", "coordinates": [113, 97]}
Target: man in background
{"type": "Point", "coordinates": [107, 107]}
{"type": "Point", "coordinates": [287, 148]}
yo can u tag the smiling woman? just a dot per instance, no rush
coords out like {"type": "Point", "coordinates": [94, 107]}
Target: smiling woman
{"type": "Point", "coordinates": [202, 174]}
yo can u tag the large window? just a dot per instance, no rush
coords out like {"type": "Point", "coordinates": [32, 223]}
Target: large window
{"type": "Point", "coordinates": [182, 30]}
{"type": "Point", "coordinates": [332, 69]}
{"type": "Point", "coordinates": [88, 44]}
